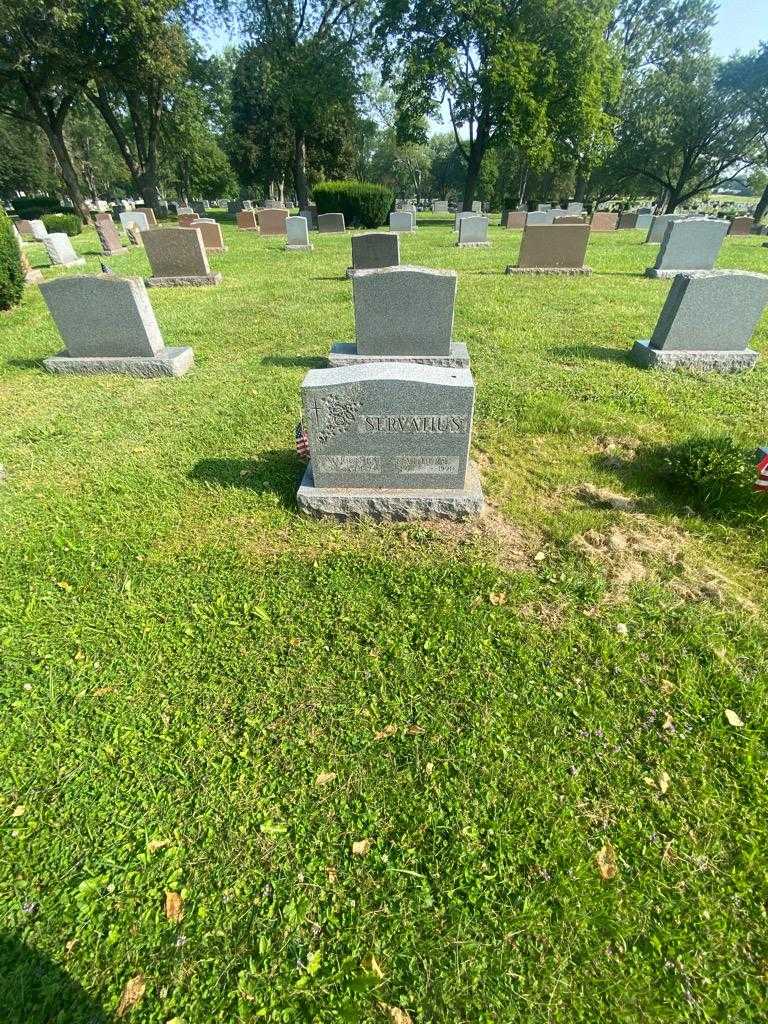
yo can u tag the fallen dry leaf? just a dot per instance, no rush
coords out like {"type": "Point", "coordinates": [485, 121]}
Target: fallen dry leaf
{"type": "Point", "coordinates": [386, 732]}
{"type": "Point", "coordinates": [132, 994]}
{"type": "Point", "coordinates": [733, 719]}
{"type": "Point", "coordinates": [332, 875]}
{"type": "Point", "coordinates": [324, 778]}
{"type": "Point", "coordinates": [101, 690]}
{"type": "Point", "coordinates": [18, 810]}
{"type": "Point", "coordinates": [63, 585]}
{"type": "Point", "coordinates": [606, 862]}
{"type": "Point", "coordinates": [664, 781]}
{"type": "Point", "coordinates": [371, 966]}
{"type": "Point", "coordinates": [539, 556]}
{"type": "Point", "coordinates": [668, 725]}
{"type": "Point", "coordinates": [500, 598]}
{"type": "Point", "coordinates": [71, 945]}
{"type": "Point", "coordinates": [157, 844]}
{"type": "Point", "coordinates": [396, 1015]}
{"type": "Point", "coordinates": [415, 730]}
{"type": "Point", "coordinates": [666, 687]}
{"type": "Point", "coordinates": [361, 847]}
{"type": "Point", "coordinates": [174, 908]}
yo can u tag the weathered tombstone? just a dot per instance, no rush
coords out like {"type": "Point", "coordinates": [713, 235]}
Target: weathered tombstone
{"type": "Point", "coordinates": [627, 219]}
{"type": "Point", "coordinates": [270, 204]}
{"type": "Point", "coordinates": [567, 218]}
{"type": "Point", "coordinates": [177, 258]}
{"type": "Point", "coordinates": [461, 215]}
{"type": "Point", "coordinates": [297, 235]}
{"type": "Point", "coordinates": [247, 204]}
{"type": "Point", "coordinates": [404, 221]}
{"type": "Point", "coordinates": [108, 326]}
{"type": "Point", "coordinates": [210, 232]}
{"type": "Point", "coordinates": [389, 441]}
{"type": "Point", "coordinates": [39, 230]}
{"type": "Point", "coordinates": [111, 244]}
{"type": "Point", "coordinates": [659, 226]}
{"type": "Point", "coordinates": [539, 217]}
{"type": "Point", "coordinates": [234, 206]}
{"type": "Point", "coordinates": [707, 322]}
{"type": "Point", "coordinates": [330, 223]}
{"type": "Point", "coordinates": [403, 314]}
{"type": "Point", "coordinates": [513, 219]}
{"type": "Point", "coordinates": [199, 208]}
{"type": "Point", "coordinates": [185, 209]}
{"type": "Point", "coordinates": [643, 221]}
{"type": "Point", "coordinates": [24, 227]}
{"type": "Point", "coordinates": [133, 234]}
{"type": "Point", "coordinates": [440, 206]}
{"type": "Point", "coordinates": [553, 249]}
{"type": "Point", "coordinates": [691, 244]}
{"type": "Point", "coordinates": [104, 218]}
{"type": "Point", "coordinates": [645, 209]}
{"type": "Point", "coordinates": [60, 251]}
{"type": "Point", "coordinates": [575, 207]}
{"type": "Point", "coordinates": [310, 215]}
{"type": "Point", "coordinates": [473, 233]}
{"type": "Point", "coordinates": [246, 220]}
{"type": "Point", "coordinates": [477, 206]}
{"type": "Point", "coordinates": [543, 207]}
{"type": "Point", "coordinates": [603, 221]}
{"type": "Point", "coordinates": [373, 250]}
{"type": "Point", "coordinates": [149, 213]}
{"type": "Point", "coordinates": [741, 225]}
{"type": "Point", "coordinates": [186, 220]}
{"type": "Point", "coordinates": [272, 221]}
{"type": "Point", "coordinates": [133, 217]}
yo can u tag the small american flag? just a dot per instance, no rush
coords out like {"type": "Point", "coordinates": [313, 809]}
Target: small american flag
{"type": "Point", "coordinates": [761, 484]}
{"type": "Point", "coordinates": [302, 442]}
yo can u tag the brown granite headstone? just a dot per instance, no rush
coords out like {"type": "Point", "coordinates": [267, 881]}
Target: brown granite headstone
{"type": "Point", "coordinates": [514, 219]}
{"type": "Point", "coordinates": [109, 238]}
{"type": "Point", "coordinates": [246, 220]}
{"type": "Point", "coordinates": [185, 219]}
{"type": "Point", "coordinates": [210, 232]}
{"type": "Point", "coordinates": [149, 213]}
{"type": "Point", "coordinates": [272, 221]}
{"type": "Point", "coordinates": [554, 248]}
{"type": "Point", "coordinates": [741, 225]}
{"type": "Point", "coordinates": [603, 221]}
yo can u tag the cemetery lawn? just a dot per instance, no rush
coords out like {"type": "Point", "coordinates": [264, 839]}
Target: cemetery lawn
{"type": "Point", "coordinates": [255, 767]}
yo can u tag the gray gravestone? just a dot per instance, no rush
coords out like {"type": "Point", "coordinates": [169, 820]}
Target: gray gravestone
{"type": "Point", "coordinates": [60, 251]}
{"type": "Point", "coordinates": [310, 214]}
{"type": "Point", "coordinates": [627, 220]}
{"type": "Point", "coordinates": [38, 229]}
{"type": "Point", "coordinates": [402, 221]}
{"type": "Point", "coordinates": [575, 207]}
{"type": "Point", "coordinates": [389, 441]}
{"type": "Point", "coordinates": [643, 221]}
{"type": "Point", "coordinates": [177, 257]}
{"type": "Point", "coordinates": [108, 326]}
{"type": "Point", "coordinates": [691, 244]}
{"type": "Point", "coordinates": [707, 322]}
{"type": "Point", "coordinates": [374, 250]}
{"type": "Point", "coordinates": [543, 207]}
{"type": "Point", "coordinates": [330, 223]}
{"type": "Point", "coordinates": [297, 234]}
{"type": "Point", "coordinates": [659, 226]}
{"type": "Point", "coordinates": [403, 314]}
{"type": "Point", "coordinates": [540, 217]}
{"type": "Point", "coordinates": [460, 215]}
{"type": "Point", "coordinates": [108, 237]}
{"type": "Point", "coordinates": [473, 232]}
{"type": "Point", "coordinates": [136, 217]}
{"type": "Point", "coordinates": [440, 206]}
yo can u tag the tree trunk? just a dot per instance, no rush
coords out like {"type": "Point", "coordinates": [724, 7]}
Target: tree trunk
{"type": "Point", "coordinates": [56, 139]}
{"type": "Point", "coordinates": [673, 201]}
{"type": "Point", "coordinates": [300, 171]}
{"type": "Point", "coordinates": [762, 206]}
{"type": "Point", "coordinates": [476, 154]}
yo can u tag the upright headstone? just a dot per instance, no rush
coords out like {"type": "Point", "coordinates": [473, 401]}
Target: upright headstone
{"type": "Point", "coordinates": [553, 249]}
{"type": "Point", "coordinates": [473, 233]}
{"type": "Point", "coordinates": [310, 215]}
{"type": "Point", "coordinates": [330, 223]}
{"type": "Point", "coordinates": [604, 221]}
{"type": "Point", "coordinates": [574, 207]}
{"type": "Point", "coordinates": [297, 235]}
{"type": "Point", "coordinates": [134, 217]}
{"type": "Point", "coordinates": [403, 314]}
{"type": "Point", "coordinates": [461, 215]}
{"type": "Point", "coordinates": [643, 221]}
{"type": "Point", "coordinates": [108, 237]}
{"type": "Point", "coordinates": [403, 221]}
{"type": "Point", "coordinates": [707, 322]}
{"type": "Point", "coordinates": [439, 206]}
{"type": "Point", "coordinates": [272, 221]}
{"type": "Point", "coordinates": [389, 441]}
{"type": "Point", "coordinates": [539, 217]}
{"type": "Point", "coordinates": [627, 219]}
{"type": "Point", "coordinates": [659, 226]}
{"type": "Point", "coordinates": [210, 232]}
{"type": "Point", "coordinates": [741, 225]}
{"type": "Point", "coordinates": [246, 220]}
{"type": "Point", "coordinates": [543, 207]}
{"type": "Point", "coordinates": [24, 227]}
{"type": "Point", "coordinates": [177, 258]}
{"type": "Point", "coordinates": [373, 250]}
{"type": "Point", "coordinates": [199, 208]}
{"type": "Point", "coordinates": [149, 213]}
{"type": "Point", "coordinates": [108, 326]}
{"type": "Point", "coordinates": [60, 251]}
{"type": "Point", "coordinates": [186, 220]}
{"type": "Point", "coordinates": [691, 244]}
{"type": "Point", "coordinates": [39, 230]}
{"type": "Point", "coordinates": [477, 206]}
{"type": "Point", "coordinates": [133, 234]}
{"type": "Point", "coordinates": [513, 219]}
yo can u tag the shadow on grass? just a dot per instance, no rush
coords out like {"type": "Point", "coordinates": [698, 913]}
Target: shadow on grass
{"type": "Point", "coordinates": [275, 472]}
{"type": "Point", "coordinates": [341, 277]}
{"type": "Point", "coordinates": [35, 990]}
{"type": "Point", "coordinates": [25, 364]}
{"type": "Point", "coordinates": [600, 352]}
{"type": "Point", "coordinates": [311, 362]}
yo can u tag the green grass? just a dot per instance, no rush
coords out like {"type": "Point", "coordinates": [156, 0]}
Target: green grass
{"type": "Point", "coordinates": [181, 655]}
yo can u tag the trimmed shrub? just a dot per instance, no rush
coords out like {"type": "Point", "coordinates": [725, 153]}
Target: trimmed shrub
{"type": "Point", "coordinates": [11, 271]}
{"type": "Point", "coordinates": [363, 204]}
{"type": "Point", "coordinates": [33, 208]}
{"type": "Point", "coordinates": [67, 222]}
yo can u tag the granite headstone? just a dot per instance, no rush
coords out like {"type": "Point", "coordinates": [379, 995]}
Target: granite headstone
{"type": "Point", "coordinates": [690, 244]}
{"type": "Point", "coordinates": [177, 258]}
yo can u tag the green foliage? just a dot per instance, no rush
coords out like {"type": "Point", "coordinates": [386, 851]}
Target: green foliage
{"type": "Point", "coordinates": [35, 206]}
{"type": "Point", "coordinates": [363, 204]}
{"type": "Point", "coordinates": [70, 223]}
{"type": "Point", "coordinates": [714, 475]}
{"type": "Point", "coordinates": [11, 270]}
{"type": "Point", "coordinates": [25, 163]}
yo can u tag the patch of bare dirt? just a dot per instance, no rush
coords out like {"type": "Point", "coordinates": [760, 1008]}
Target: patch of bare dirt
{"type": "Point", "coordinates": [602, 497]}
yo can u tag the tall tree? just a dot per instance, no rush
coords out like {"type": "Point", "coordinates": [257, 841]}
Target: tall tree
{"type": "Point", "coordinates": [297, 75]}
{"type": "Point", "coordinates": [748, 76]}
{"type": "Point", "coordinates": [505, 68]}
{"type": "Point", "coordinates": [26, 162]}
{"type": "Point", "coordinates": [650, 33]}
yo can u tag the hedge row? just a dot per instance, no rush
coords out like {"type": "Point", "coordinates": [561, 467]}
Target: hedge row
{"type": "Point", "coordinates": [11, 271]}
{"type": "Point", "coordinates": [32, 208]}
{"type": "Point", "coordinates": [67, 222]}
{"type": "Point", "coordinates": [363, 204]}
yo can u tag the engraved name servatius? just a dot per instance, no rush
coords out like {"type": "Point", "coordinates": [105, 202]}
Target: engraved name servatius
{"type": "Point", "coordinates": [413, 424]}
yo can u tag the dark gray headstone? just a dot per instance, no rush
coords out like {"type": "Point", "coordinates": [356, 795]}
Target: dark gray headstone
{"type": "Point", "coordinates": [375, 249]}
{"type": "Point", "coordinates": [330, 223]}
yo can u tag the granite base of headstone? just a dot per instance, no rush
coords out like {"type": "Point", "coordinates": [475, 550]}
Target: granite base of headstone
{"type": "Point", "coordinates": [706, 323]}
{"type": "Point", "coordinates": [177, 258]}
{"type": "Point", "coordinates": [403, 314]}
{"type": "Point", "coordinates": [108, 326]}
{"type": "Point", "coordinates": [553, 249]}
{"type": "Point", "coordinates": [389, 442]}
